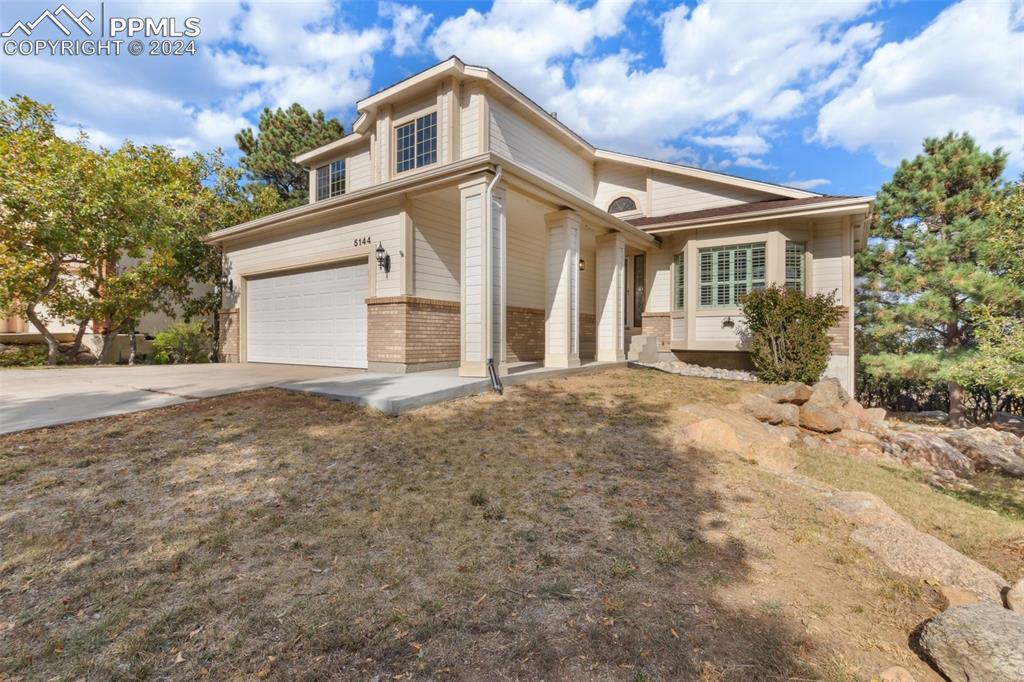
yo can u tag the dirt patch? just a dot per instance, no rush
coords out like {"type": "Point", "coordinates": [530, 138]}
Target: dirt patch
{"type": "Point", "coordinates": [560, 532]}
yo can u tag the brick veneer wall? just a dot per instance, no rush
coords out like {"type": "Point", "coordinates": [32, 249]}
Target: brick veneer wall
{"type": "Point", "coordinates": [840, 334]}
{"type": "Point", "coordinates": [227, 320]}
{"type": "Point", "coordinates": [588, 336]}
{"type": "Point", "coordinates": [410, 331]}
{"type": "Point", "coordinates": [660, 325]}
{"type": "Point", "coordinates": [524, 334]}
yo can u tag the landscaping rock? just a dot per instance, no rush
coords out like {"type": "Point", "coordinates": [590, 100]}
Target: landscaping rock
{"type": "Point", "coordinates": [866, 509]}
{"type": "Point", "coordinates": [931, 450]}
{"type": "Point", "coordinates": [823, 418]}
{"type": "Point", "coordinates": [855, 409]}
{"type": "Point", "coordinates": [860, 437]}
{"type": "Point", "coordinates": [956, 596]}
{"type": "Point", "coordinates": [894, 674]}
{"type": "Point", "coordinates": [976, 642]}
{"type": "Point", "coordinates": [829, 393]}
{"type": "Point", "coordinates": [874, 416]}
{"type": "Point", "coordinates": [990, 450]}
{"type": "Point", "coordinates": [1015, 597]}
{"type": "Point", "coordinates": [690, 370]}
{"type": "Point", "coordinates": [794, 392]}
{"type": "Point", "coordinates": [763, 408]}
{"type": "Point", "coordinates": [719, 429]}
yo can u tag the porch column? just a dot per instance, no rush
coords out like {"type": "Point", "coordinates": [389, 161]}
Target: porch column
{"type": "Point", "coordinates": [482, 310]}
{"type": "Point", "coordinates": [562, 318]}
{"type": "Point", "coordinates": [611, 295]}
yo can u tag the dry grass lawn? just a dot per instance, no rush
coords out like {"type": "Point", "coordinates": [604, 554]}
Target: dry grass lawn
{"type": "Point", "coordinates": [560, 532]}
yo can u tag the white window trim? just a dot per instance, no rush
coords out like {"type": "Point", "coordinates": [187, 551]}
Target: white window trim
{"type": "Point", "coordinates": [408, 118]}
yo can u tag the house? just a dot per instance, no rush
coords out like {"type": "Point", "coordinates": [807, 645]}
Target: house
{"type": "Point", "coordinates": [459, 223]}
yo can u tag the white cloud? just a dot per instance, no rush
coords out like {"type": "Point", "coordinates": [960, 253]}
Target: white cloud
{"type": "Point", "coordinates": [811, 184]}
{"type": "Point", "coordinates": [726, 67]}
{"type": "Point", "coordinates": [408, 24]}
{"type": "Point", "coordinates": [962, 72]}
{"type": "Point", "coordinates": [751, 162]}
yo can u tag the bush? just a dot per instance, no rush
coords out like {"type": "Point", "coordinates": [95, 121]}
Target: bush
{"type": "Point", "coordinates": [182, 342]}
{"type": "Point", "coordinates": [789, 333]}
{"type": "Point", "coordinates": [23, 356]}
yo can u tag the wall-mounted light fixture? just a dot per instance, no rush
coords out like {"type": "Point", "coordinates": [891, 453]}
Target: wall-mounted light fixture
{"type": "Point", "coordinates": [727, 322]}
{"type": "Point", "coordinates": [583, 265]}
{"type": "Point", "coordinates": [383, 259]}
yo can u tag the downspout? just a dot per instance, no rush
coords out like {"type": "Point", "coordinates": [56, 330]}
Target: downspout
{"type": "Point", "coordinates": [491, 371]}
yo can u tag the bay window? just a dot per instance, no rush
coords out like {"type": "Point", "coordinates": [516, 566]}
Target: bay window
{"type": "Point", "coordinates": [727, 273]}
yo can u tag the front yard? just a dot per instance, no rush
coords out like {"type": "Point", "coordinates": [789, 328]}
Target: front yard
{"type": "Point", "coordinates": [560, 532]}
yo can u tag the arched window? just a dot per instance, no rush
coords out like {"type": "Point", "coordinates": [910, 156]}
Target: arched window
{"type": "Point", "coordinates": [621, 205]}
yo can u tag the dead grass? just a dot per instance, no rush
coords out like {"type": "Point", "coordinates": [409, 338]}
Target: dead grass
{"type": "Point", "coordinates": [562, 532]}
{"type": "Point", "coordinates": [992, 538]}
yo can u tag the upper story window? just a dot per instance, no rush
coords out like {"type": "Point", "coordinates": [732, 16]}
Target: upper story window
{"type": "Point", "coordinates": [621, 205]}
{"type": "Point", "coordinates": [330, 180]}
{"type": "Point", "coordinates": [727, 273]}
{"type": "Point", "coordinates": [795, 266]}
{"type": "Point", "coordinates": [416, 143]}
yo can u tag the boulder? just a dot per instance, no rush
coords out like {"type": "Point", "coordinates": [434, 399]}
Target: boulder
{"type": "Point", "coordinates": [988, 449]}
{"type": "Point", "coordinates": [894, 674]}
{"type": "Point", "coordinates": [855, 409]}
{"type": "Point", "coordinates": [794, 392]}
{"type": "Point", "coordinates": [824, 418]}
{"type": "Point", "coordinates": [718, 429]}
{"type": "Point", "coordinates": [976, 642]}
{"type": "Point", "coordinates": [873, 416]}
{"type": "Point", "coordinates": [956, 596]}
{"type": "Point", "coordinates": [860, 437]}
{"type": "Point", "coordinates": [763, 408]}
{"type": "Point", "coordinates": [830, 393]}
{"type": "Point", "coordinates": [1015, 597]}
{"type": "Point", "coordinates": [929, 449]}
{"type": "Point", "coordinates": [866, 509]}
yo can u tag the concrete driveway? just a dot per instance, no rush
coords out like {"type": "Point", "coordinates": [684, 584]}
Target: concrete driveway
{"type": "Point", "coordinates": [33, 398]}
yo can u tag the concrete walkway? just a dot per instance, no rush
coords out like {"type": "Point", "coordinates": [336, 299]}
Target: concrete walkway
{"type": "Point", "coordinates": [398, 393]}
{"type": "Point", "coordinates": [36, 398]}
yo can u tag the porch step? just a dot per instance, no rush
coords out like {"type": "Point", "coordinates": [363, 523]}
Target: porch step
{"type": "Point", "coordinates": [642, 348]}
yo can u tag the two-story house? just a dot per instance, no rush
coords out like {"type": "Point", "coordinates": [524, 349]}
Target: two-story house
{"type": "Point", "coordinates": [460, 223]}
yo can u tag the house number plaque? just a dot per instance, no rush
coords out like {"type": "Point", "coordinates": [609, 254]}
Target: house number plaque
{"type": "Point", "coordinates": [362, 241]}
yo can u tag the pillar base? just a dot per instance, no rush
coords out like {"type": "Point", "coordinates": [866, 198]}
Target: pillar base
{"type": "Point", "coordinates": [561, 361]}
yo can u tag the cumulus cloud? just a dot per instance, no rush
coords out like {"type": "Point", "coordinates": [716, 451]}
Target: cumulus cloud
{"type": "Point", "coordinates": [811, 184]}
{"type": "Point", "coordinates": [408, 24]}
{"type": "Point", "coordinates": [962, 72]}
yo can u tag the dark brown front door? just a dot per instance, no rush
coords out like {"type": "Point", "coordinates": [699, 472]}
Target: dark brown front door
{"type": "Point", "coordinates": [638, 291]}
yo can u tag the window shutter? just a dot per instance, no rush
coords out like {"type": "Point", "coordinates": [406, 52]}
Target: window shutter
{"type": "Point", "coordinates": [795, 266]}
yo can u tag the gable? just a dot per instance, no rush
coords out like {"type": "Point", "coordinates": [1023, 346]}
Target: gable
{"type": "Point", "coordinates": [672, 193]}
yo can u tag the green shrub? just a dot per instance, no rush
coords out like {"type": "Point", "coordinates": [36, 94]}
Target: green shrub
{"type": "Point", "coordinates": [182, 342]}
{"type": "Point", "coordinates": [789, 333]}
{"type": "Point", "coordinates": [24, 356]}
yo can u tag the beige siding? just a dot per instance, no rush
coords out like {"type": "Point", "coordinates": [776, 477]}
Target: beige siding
{"type": "Point", "coordinates": [714, 329]}
{"type": "Point", "coordinates": [522, 141]}
{"type": "Point", "coordinates": [614, 180]}
{"type": "Point", "coordinates": [677, 194]}
{"type": "Point", "coordinates": [472, 101]}
{"type": "Point", "coordinates": [436, 228]}
{"type": "Point", "coordinates": [827, 249]}
{"type": "Point", "coordinates": [358, 171]}
{"type": "Point", "coordinates": [527, 236]}
{"type": "Point", "coordinates": [321, 243]}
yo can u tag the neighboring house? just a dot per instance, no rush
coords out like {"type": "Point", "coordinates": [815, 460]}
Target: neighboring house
{"type": "Point", "coordinates": [501, 234]}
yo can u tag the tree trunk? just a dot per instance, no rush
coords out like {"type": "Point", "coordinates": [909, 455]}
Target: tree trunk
{"type": "Point", "coordinates": [109, 335]}
{"type": "Point", "coordinates": [956, 404]}
{"type": "Point", "coordinates": [132, 347]}
{"type": "Point", "coordinates": [76, 346]}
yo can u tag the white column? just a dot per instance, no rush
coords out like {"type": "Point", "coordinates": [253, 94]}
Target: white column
{"type": "Point", "coordinates": [482, 309]}
{"type": "Point", "coordinates": [611, 295]}
{"type": "Point", "coordinates": [562, 319]}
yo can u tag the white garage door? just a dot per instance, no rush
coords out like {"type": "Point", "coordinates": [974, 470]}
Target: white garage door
{"type": "Point", "coordinates": [309, 318]}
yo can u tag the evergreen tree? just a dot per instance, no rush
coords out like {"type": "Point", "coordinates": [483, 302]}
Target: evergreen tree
{"type": "Point", "coordinates": [283, 134]}
{"type": "Point", "coordinates": [925, 283]}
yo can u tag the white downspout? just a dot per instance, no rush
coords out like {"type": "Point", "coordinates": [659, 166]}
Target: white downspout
{"type": "Point", "coordinates": [491, 371]}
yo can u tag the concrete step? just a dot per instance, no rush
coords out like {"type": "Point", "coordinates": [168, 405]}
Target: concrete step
{"type": "Point", "coordinates": [642, 348]}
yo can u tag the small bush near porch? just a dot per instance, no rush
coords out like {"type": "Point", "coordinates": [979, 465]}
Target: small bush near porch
{"type": "Point", "coordinates": [560, 532]}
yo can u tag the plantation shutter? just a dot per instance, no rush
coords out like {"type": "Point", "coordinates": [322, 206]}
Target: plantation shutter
{"type": "Point", "coordinates": [795, 266]}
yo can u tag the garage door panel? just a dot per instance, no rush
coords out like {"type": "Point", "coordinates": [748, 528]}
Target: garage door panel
{"type": "Point", "coordinates": [313, 318]}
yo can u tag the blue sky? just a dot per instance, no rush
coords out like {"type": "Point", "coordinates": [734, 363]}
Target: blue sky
{"type": "Point", "coordinates": [823, 95]}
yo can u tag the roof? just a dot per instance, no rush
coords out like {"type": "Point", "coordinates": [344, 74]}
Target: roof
{"type": "Point", "coordinates": [770, 206]}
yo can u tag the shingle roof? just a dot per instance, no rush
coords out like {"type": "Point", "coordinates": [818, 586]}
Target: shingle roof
{"type": "Point", "coordinates": [737, 210]}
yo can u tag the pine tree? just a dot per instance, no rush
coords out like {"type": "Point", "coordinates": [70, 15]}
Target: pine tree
{"type": "Point", "coordinates": [283, 134]}
{"type": "Point", "coordinates": [925, 285]}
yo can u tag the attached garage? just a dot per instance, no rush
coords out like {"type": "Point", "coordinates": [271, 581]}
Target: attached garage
{"type": "Point", "coordinates": [310, 317]}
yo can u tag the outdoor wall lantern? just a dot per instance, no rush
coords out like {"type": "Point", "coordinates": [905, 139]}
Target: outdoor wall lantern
{"type": "Point", "coordinates": [727, 322]}
{"type": "Point", "coordinates": [383, 259]}
{"type": "Point", "coordinates": [583, 265]}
